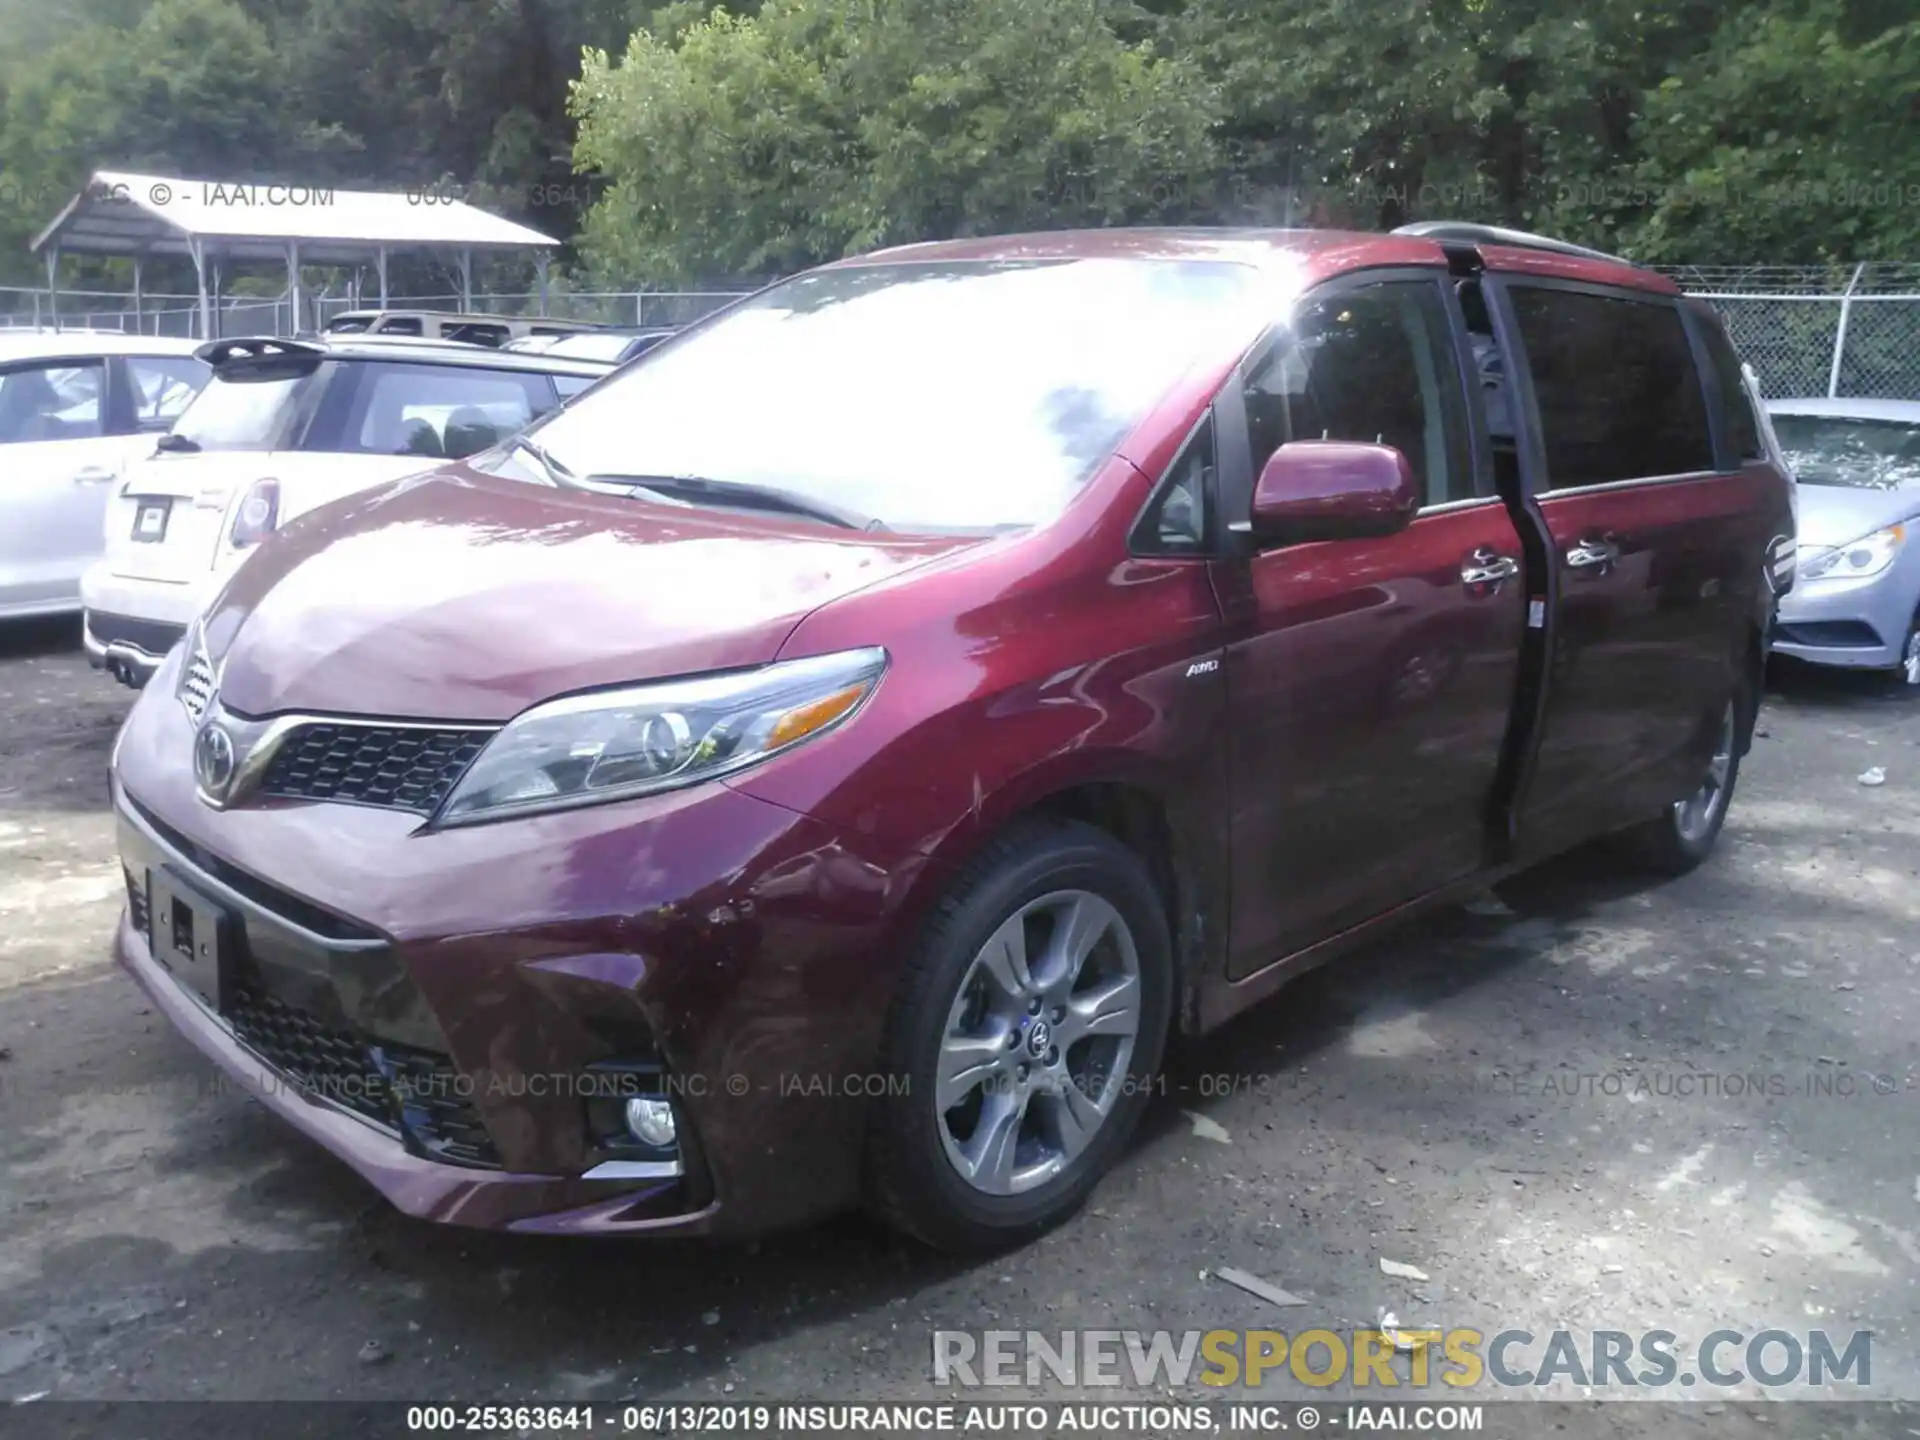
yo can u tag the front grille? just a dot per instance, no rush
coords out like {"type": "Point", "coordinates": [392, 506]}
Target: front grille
{"type": "Point", "coordinates": [309, 1053]}
{"type": "Point", "coordinates": [395, 767]}
{"type": "Point", "coordinates": [415, 1093]}
{"type": "Point", "coordinates": [196, 686]}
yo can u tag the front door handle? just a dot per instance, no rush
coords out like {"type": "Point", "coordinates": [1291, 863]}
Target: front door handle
{"type": "Point", "coordinates": [95, 475]}
{"type": "Point", "coordinates": [1591, 554]}
{"type": "Point", "coordinates": [1487, 566]}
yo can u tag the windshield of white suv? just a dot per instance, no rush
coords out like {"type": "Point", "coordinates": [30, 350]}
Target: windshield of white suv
{"type": "Point", "coordinates": [1844, 450]}
{"type": "Point", "coordinates": [935, 396]}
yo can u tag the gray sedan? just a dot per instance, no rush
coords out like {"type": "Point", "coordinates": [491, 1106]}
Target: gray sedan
{"type": "Point", "coordinates": [1856, 596]}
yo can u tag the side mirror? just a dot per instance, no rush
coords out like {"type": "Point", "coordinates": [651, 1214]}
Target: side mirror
{"type": "Point", "coordinates": [1332, 490]}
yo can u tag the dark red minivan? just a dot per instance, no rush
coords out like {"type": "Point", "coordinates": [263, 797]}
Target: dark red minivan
{"type": "Point", "coordinates": [826, 760]}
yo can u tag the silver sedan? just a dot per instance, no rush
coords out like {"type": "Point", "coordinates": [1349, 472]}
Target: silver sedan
{"type": "Point", "coordinates": [1856, 595]}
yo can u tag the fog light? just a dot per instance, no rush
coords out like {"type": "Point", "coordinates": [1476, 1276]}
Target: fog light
{"type": "Point", "coordinates": [650, 1121]}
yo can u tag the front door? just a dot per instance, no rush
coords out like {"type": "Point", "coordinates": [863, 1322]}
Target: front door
{"type": "Point", "coordinates": [56, 467]}
{"type": "Point", "coordinates": [1369, 681]}
{"type": "Point", "coordinates": [1656, 557]}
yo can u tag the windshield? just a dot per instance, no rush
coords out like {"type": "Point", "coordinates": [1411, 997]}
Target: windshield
{"type": "Point", "coordinates": [1843, 450]}
{"type": "Point", "coordinates": [939, 396]}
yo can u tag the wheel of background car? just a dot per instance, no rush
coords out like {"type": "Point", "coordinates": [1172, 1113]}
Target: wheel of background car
{"type": "Point", "coordinates": [1027, 1031]}
{"type": "Point", "coordinates": [1683, 835]}
{"type": "Point", "coordinates": [1910, 653]}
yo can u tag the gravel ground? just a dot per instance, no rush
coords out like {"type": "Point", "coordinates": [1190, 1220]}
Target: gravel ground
{"type": "Point", "coordinates": [1601, 1104]}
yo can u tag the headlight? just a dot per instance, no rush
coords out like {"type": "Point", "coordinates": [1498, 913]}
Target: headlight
{"type": "Point", "coordinates": [615, 744]}
{"type": "Point", "coordinates": [1868, 555]}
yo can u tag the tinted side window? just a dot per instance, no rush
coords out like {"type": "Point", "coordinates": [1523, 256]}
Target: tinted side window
{"type": "Point", "coordinates": [400, 325]}
{"type": "Point", "coordinates": [1736, 406]}
{"type": "Point", "coordinates": [1373, 364]}
{"type": "Point", "coordinates": [1618, 393]}
{"type": "Point", "coordinates": [57, 401]}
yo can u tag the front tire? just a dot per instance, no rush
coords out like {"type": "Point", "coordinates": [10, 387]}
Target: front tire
{"type": "Point", "coordinates": [1025, 1035]}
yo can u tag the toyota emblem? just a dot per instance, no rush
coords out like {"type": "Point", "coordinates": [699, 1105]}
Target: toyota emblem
{"type": "Point", "coordinates": [213, 759]}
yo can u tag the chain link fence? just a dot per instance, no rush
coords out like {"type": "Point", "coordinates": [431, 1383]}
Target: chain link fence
{"type": "Point", "coordinates": [179, 315]}
{"type": "Point", "coordinates": [1806, 330]}
{"type": "Point", "coordinates": [1817, 331]}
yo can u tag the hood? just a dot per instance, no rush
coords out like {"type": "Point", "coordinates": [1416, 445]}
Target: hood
{"type": "Point", "coordinates": [1838, 514]}
{"type": "Point", "coordinates": [458, 596]}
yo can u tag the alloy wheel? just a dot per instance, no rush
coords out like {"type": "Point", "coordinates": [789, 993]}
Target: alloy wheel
{"type": "Point", "coordinates": [1038, 1042]}
{"type": "Point", "coordinates": [1910, 662]}
{"type": "Point", "coordinates": [1695, 816]}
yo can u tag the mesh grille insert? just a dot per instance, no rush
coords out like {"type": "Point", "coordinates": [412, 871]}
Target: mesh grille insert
{"type": "Point", "coordinates": [394, 767]}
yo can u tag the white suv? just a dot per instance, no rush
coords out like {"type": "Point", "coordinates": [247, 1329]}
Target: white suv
{"type": "Point", "coordinates": [282, 427]}
{"type": "Point", "coordinates": [77, 408]}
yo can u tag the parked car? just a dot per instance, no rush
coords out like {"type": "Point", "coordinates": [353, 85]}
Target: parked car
{"type": "Point", "coordinates": [823, 762]}
{"type": "Point", "coordinates": [1857, 600]}
{"type": "Point", "coordinates": [614, 346]}
{"type": "Point", "coordinates": [76, 407]}
{"type": "Point", "coordinates": [284, 426]}
{"type": "Point", "coordinates": [468, 329]}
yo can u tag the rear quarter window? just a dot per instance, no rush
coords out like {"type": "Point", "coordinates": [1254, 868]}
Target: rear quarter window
{"type": "Point", "coordinates": [1738, 421]}
{"type": "Point", "coordinates": [1615, 383]}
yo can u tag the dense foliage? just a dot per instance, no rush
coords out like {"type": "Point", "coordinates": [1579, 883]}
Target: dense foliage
{"type": "Point", "coordinates": [718, 144]}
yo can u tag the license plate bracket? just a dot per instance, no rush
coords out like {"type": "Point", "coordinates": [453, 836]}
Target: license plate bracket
{"type": "Point", "coordinates": [192, 936]}
{"type": "Point", "coordinates": [150, 521]}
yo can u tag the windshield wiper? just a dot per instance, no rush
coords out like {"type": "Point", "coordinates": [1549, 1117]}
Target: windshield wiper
{"type": "Point", "coordinates": [556, 473]}
{"type": "Point", "coordinates": [744, 495]}
{"type": "Point", "coordinates": [180, 443]}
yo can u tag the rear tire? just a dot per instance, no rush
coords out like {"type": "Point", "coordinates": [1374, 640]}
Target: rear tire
{"type": "Point", "coordinates": [1024, 1039]}
{"type": "Point", "coordinates": [1681, 836]}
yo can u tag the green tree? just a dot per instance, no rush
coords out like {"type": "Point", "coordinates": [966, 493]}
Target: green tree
{"type": "Point", "coordinates": [193, 87]}
{"type": "Point", "coordinates": [1792, 137]}
{"type": "Point", "coordinates": [750, 146]}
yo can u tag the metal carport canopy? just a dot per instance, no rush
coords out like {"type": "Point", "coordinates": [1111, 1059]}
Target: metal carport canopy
{"type": "Point", "coordinates": [124, 214]}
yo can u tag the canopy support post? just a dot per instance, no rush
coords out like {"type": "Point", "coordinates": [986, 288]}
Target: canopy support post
{"type": "Point", "coordinates": [53, 285]}
{"type": "Point", "coordinates": [139, 265]}
{"type": "Point", "coordinates": [381, 255]}
{"type": "Point", "coordinates": [540, 266]}
{"type": "Point", "coordinates": [466, 280]}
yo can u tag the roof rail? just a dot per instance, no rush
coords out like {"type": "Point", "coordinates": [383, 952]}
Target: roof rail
{"type": "Point", "coordinates": [1468, 233]}
{"type": "Point", "coordinates": [258, 348]}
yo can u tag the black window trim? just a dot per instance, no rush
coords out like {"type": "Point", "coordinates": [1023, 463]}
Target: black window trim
{"type": "Point", "coordinates": [1535, 479]}
{"type": "Point", "coordinates": [1233, 457]}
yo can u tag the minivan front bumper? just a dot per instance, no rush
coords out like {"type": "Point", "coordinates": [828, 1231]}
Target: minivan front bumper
{"type": "Point", "coordinates": [747, 950]}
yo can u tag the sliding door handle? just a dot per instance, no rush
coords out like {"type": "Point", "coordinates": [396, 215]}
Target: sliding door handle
{"type": "Point", "coordinates": [1487, 566]}
{"type": "Point", "coordinates": [1593, 554]}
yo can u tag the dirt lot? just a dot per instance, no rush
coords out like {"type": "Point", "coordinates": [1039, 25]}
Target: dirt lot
{"type": "Point", "coordinates": [1500, 1099]}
